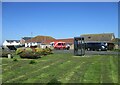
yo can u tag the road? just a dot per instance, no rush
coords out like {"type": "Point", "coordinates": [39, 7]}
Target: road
{"type": "Point", "coordinates": [89, 52]}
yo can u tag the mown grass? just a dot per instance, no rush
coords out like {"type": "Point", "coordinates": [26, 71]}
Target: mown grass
{"type": "Point", "coordinates": [62, 68]}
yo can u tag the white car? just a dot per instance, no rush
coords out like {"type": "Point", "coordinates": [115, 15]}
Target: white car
{"type": "Point", "coordinates": [67, 46]}
{"type": "Point", "coordinates": [45, 46]}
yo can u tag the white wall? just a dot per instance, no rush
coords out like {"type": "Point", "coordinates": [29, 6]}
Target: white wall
{"type": "Point", "coordinates": [31, 44]}
{"type": "Point", "coordinates": [5, 43]}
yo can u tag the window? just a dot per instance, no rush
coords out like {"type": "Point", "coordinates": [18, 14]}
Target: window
{"type": "Point", "coordinates": [89, 37]}
{"type": "Point", "coordinates": [59, 43]}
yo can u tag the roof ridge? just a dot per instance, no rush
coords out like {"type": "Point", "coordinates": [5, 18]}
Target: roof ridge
{"type": "Point", "coordinates": [98, 34]}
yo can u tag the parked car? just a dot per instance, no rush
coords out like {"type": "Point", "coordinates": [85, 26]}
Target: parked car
{"type": "Point", "coordinates": [96, 46]}
{"type": "Point", "coordinates": [67, 46]}
{"type": "Point", "coordinates": [61, 45]}
{"type": "Point", "coordinates": [45, 46]}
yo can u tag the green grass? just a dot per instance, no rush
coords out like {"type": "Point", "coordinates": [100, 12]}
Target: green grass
{"type": "Point", "coordinates": [61, 68]}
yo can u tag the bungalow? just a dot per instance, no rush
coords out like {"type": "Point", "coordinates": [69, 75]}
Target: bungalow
{"type": "Point", "coordinates": [11, 43]}
{"type": "Point", "coordinates": [37, 41]}
{"type": "Point", "coordinates": [103, 37]}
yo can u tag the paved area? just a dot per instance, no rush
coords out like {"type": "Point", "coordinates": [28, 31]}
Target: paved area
{"type": "Point", "coordinates": [89, 52]}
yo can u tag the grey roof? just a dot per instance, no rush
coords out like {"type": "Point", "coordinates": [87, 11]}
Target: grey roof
{"type": "Point", "coordinates": [27, 38]}
{"type": "Point", "coordinates": [13, 41]}
{"type": "Point", "coordinates": [104, 37]}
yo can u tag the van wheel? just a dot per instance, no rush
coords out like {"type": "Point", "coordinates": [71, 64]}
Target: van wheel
{"type": "Point", "coordinates": [88, 49]}
{"type": "Point", "coordinates": [68, 48]}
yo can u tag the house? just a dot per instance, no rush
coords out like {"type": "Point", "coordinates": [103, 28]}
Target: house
{"type": "Point", "coordinates": [11, 43]}
{"type": "Point", "coordinates": [37, 41]}
{"type": "Point", "coordinates": [22, 41]}
{"type": "Point", "coordinates": [103, 37]}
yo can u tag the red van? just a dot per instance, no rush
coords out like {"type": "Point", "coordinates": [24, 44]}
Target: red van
{"type": "Point", "coordinates": [61, 45]}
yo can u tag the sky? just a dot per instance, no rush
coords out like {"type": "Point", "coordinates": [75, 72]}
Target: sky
{"type": "Point", "coordinates": [58, 19]}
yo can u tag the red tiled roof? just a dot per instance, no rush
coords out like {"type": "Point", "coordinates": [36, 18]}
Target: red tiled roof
{"type": "Point", "coordinates": [40, 39]}
{"type": "Point", "coordinates": [68, 40]}
{"type": "Point", "coordinates": [48, 39]}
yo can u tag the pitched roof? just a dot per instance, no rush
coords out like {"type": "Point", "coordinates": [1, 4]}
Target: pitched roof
{"type": "Point", "coordinates": [68, 40]}
{"type": "Point", "coordinates": [13, 41]}
{"type": "Point", "coordinates": [40, 39]}
{"type": "Point", "coordinates": [103, 37]}
{"type": "Point", "coordinates": [27, 38]}
{"type": "Point", "coordinates": [116, 40]}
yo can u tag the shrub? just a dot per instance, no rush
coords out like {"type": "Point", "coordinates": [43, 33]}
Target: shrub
{"type": "Point", "coordinates": [117, 50]}
{"type": "Point", "coordinates": [38, 50]}
{"type": "Point", "coordinates": [48, 50]}
{"type": "Point", "coordinates": [36, 53]}
{"type": "Point", "coordinates": [15, 59]}
{"type": "Point", "coordinates": [28, 54]}
{"type": "Point", "coordinates": [44, 52]}
{"type": "Point", "coordinates": [19, 50]}
{"type": "Point", "coordinates": [28, 49]}
{"type": "Point", "coordinates": [32, 62]}
{"type": "Point", "coordinates": [6, 52]}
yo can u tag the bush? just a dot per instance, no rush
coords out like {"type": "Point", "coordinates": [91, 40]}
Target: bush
{"type": "Point", "coordinates": [36, 53]}
{"type": "Point", "coordinates": [19, 50]}
{"type": "Point", "coordinates": [32, 62]}
{"type": "Point", "coordinates": [28, 49]}
{"type": "Point", "coordinates": [15, 59]}
{"type": "Point", "coordinates": [117, 50]}
{"type": "Point", "coordinates": [44, 52]}
{"type": "Point", "coordinates": [48, 51]}
{"type": "Point", "coordinates": [28, 54]}
{"type": "Point", "coordinates": [6, 52]}
{"type": "Point", "coordinates": [38, 50]}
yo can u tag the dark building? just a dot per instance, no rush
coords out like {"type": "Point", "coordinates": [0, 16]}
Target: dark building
{"type": "Point", "coordinates": [100, 38]}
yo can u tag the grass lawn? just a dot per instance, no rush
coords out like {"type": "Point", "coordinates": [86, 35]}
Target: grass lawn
{"type": "Point", "coordinates": [62, 68]}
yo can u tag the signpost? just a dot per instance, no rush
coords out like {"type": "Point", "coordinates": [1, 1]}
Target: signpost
{"type": "Point", "coordinates": [79, 46]}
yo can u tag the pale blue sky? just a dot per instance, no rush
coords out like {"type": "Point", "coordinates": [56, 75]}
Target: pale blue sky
{"type": "Point", "coordinates": [59, 20]}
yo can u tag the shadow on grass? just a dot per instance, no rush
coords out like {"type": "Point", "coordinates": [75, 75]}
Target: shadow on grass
{"type": "Point", "coordinates": [54, 82]}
